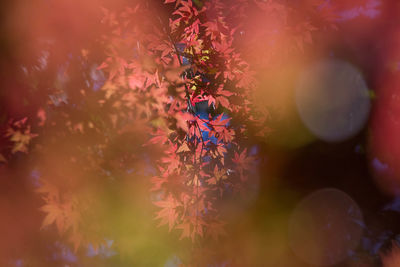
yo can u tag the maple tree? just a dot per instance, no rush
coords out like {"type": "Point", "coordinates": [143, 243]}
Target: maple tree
{"type": "Point", "coordinates": [184, 80]}
{"type": "Point", "coordinates": [164, 92]}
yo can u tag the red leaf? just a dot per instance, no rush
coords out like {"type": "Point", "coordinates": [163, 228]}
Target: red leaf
{"type": "Point", "coordinates": [186, 230]}
{"type": "Point", "coordinates": [160, 138]}
{"type": "Point", "coordinates": [223, 101]}
{"type": "Point", "coordinates": [167, 214]}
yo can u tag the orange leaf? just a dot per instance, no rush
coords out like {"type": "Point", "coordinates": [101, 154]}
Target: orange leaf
{"type": "Point", "coordinates": [183, 148]}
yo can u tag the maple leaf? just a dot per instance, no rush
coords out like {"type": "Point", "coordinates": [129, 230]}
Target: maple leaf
{"type": "Point", "coordinates": [219, 174]}
{"type": "Point", "coordinates": [53, 213]}
{"type": "Point", "coordinates": [183, 148]}
{"type": "Point", "coordinates": [185, 230]}
{"type": "Point", "coordinates": [21, 136]}
{"type": "Point", "coordinates": [223, 101]}
{"type": "Point", "coordinates": [226, 135]}
{"type": "Point", "coordinates": [172, 158]}
{"type": "Point", "coordinates": [159, 138]}
{"type": "Point", "coordinates": [220, 121]}
{"type": "Point", "coordinates": [220, 126]}
{"type": "Point", "coordinates": [167, 214]}
{"type": "Point", "coordinates": [198, 225]}
{"type": "Point", "coordinates": [243, 162]}
{"type": "Point", "coordinates": [182, 120]}
{"type": "Point", "coordinates": [221, 150]}
{"type": "Point", "coordinates": [158, 181]}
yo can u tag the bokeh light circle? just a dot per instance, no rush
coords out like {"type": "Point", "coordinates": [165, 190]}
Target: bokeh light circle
{"type": "Point", "coordinates": [332, 100]}
{"type": "Point", "coordinates": [325, 227]}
